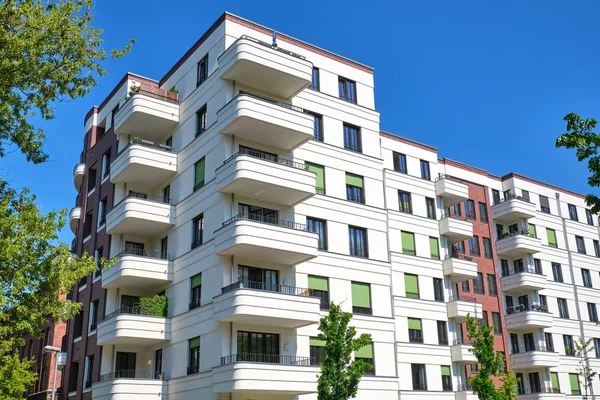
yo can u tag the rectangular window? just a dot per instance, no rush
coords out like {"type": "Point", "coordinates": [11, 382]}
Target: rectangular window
{"type": "Point", "coordinates": [201, 123]}
{"type": "Point", "coordinates": [460, 247]}
{"type": "Point", "coordinates": [543, 302]}
{"type": "Point", "coordinates": [411, 286]}
{"type": "Point", "coordinates": [580, 244]}
{"type": "Point", "coordinates": [442, 328]}
{"type": "Point", "coordinates": [465, 286]}
{"type": "Point", "coordinates": [487, 247]}
{"type": "Point", "coordinates": [164, 248]}
{"type": "Point", "coordinates": [597, 347]}
{"type": "Point", "coordinates": [194, 355]}
{"type": "Point", "coordinates": [347, 89]}
{"type": "Point", "coordinates": [434, 248]}
{"type": "Point", "coordinates": [425, 173]}
{"type": "Point", "coordinates": [574, 382]}
{"type": "Point", "coordinates": [525, 194]}
{"type": "Point", "coordinates": [592, 312]}
{"type": "Point", "coordinates": [474, 246]}
{"type": "Point", "coordinates": [365, 354]}
{"type": "Point", "coordinates": [94, 309]}
{"type": "Point", "coordinates": [532, 231]}
{"type": "Point", "coordinates": [484, 319]}
{"type": "Point", "coordinates": [549, 341]}
{"type": "Point", "coordinates": [91, 183]}
{"type": "Point", "coordinates": [257, 346]}
{"type": "Point", "coordinates": [456, 209]}
{"type": "Point", "coordinates": [158, 365]}
{"type": "Point", "coordinates": [430, 205]}
{"type": "Point", "coordinates": [113, 114]}
{"type": "Point", "coordinates": [355, 188]}
{"type": "Point", "coordinates": [492, 288]}
{"type": "Point", "coordinates": [415, 330]}
{"type": "Point", "coordinates": [314, 84]}
{"type": "Point", "coordinates": [319, 227]}
{"type": "Point", "coordinates": [597, 248]}
{"type": "Point", "coordinates": [497, 323]}
{"type": "Point", "coordinates": [358, 242]}
{"type": "Point", "coordinates": [587, 277]}
{"type": "Point", "coordinates": [551, 234]}
{"type": "Point", "coordinates": [317, 350]}
{"type": "Point", "coordinates": [202, 71]}
{"type": "Point", "coordinates": [446, 378]}
{"type": "Point", "coordinates": [573, 213]}
{"type": "Point", "coordinates": [197, 231]}
{"type": "Point", "coordinates": [554, 382]}
{"type": "Point", "coordinates": [438, 289]}
{"type": "Point", "coordinates": [507, 195]}
{"type": "Point", "coordinates": [361, 298]}
{"type": "Point", "coordinates": [537, 265]}
{"type": "Point", "coordinates": [499, 231]}
{"type": "Point", "coordinates": [199, 174]}
{"type": "Point", "coordinates": [514, 343]}
{"type": "Point", "coordinates": [319, 170]}
{"type": "Point", "coordinates": [319, 287]}
{"type": "Point", "coordinates": [166, 194]}
{"type": "Point", "coordinates": [478, 284]}
{"type": "Point", "coordinates": [496, 196]}
{"type": "Point", "coordinates": [408, 243]}
{"type": "Point", "coordinates": [563, 308]}
{"type": "Point", "coordinates": [125, 362]}
{"type": "Point", "coordinates": [352, 138]}
{"type": "Point", "coordinates": [589, 217]}
{"type": "Point", "coordinates": [102, 211]}
{"type": "Point", "coordinates": [419, 378]}
{"type": "Point", "coordinates": [89, 372]}
{"type": "Point", "coordinates": [106, 164]}
{"type": "Point", "coordinates": [98, 254]}
{"type": "Point", "coordinates": [404, 202]}
{"type": "Point", "coordinates": [400, 163]}
{"type": "Point", "coordinates": [544, 204]}
{"type": "Point", "coordinates": [483, 214]}
{"type": "Point", "coordinates": [196, 294]}
{"type": "Point", "coordinates": [318, 127]}
{"type": "Point", "coordinates": [504, 267]}
{"type": "Point", "coordinates": [470, 209]}
{"type": "Point", "coordinates": [557, 272]}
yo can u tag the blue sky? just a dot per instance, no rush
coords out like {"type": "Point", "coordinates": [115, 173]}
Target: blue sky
{"type": "Point", "coordinates": [487, 83]}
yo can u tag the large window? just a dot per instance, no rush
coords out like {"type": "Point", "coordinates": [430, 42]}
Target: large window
{"type": "Point", "coordinates": [474, 246]}
{"type": "Point", "coordinates": [597, 248]}
{"type": "Point", "coordinates": [400, 163]}
{"type": "Point", "coordinates": [592, 312]}
{"type": "Point", "coordinates": [430, 205]}
{"type": "Point", "coordinates": [442, 328]}
{"type": "Point", "coordinates": [317, 351]}
{"type": "Point", "coordinates": [197, 231]}
{"type": "Point", "coordinates": [438, 289]}
{"type": "Point", "coordinates": [196, 291]}
{"type": "Point", "coordinates": [201, 122]}
{"type": "Point", "coordinates": [91, 183]}
{"type": "Point", "coordinates": [202, 71]}
{"type": "Point", "coordinates": [411, 286]}
{"type": "Point", "coordinates": [425, 172]}
{"type": "Point", "coordinates": [470, 209]}
{"type": "Point", "coordinates": [532, 231]}
{"type": "Point", "coordinates": [478, 284]}
{"type": "Point", "coordinates": [94, 309]}
{"type": "Point", "coordinates": [315, 84]}
{"type": "Point", "coordinates": [557, 272]}
{"type": "Point", "coordinates": [589, 217]}
{"type": "Point", "coordinates": [355, 190]}
{"type": "Point", "coordinates": [106, 163]}
{"type": "Point", "coordinates": [544, 204]}
{"type": "Point", "coordinates": [199, 174]}
{"type": "Point", "coordinates": [496, 196]}
{"type": "Point", "coordinates": [361, 298]}
{"type": "Point", "coordinates": [89, 371]}
{"type": "Point", "coordinates": [483, 214]}
{"type": "Point", "coordinates": [492, 288]}
{"type": "Point", "coordinates": [549, 341]}
{"type": "Point", "coordinates": [563, 308]}
{"type": "Point", "coordinates": [434, 248]}
{"type": "Point", "coordinates": [319, 170]}
{"type": "Point", "coordinates": [358, 242]}
{"type": "Point", "coordinates": [404, 202]}
{"type": "Point", "coordinates": [580, 244]}
{"type": "Point", "coordinates": [446, 378]}
{"type": "Point", "coordinates": [113, 114]}
{"type": "Point", "coordinates": [497, 323]}
{"type": "Point", "coordinates": [257, 347]}
{"type": "Point", "coordinates": [319, 287]}
{"type": "Point", "coordinates": [586, 277]}
{"type": "Point", "coordinates": [352, 138]}
{"type": "Point", "coordinates": [573, 213]}
{"type": "Point", "coordinates": [597, 347]}
{"type": "Point", "coordinates": [365, 354]}
{"type": "Point", "coordinates": [574, 383]}
{"type": "Point", "coordinates": [102, 211]}
{"type": "Point", "coordinates": [415, 330]}
{"type": "Point", "coordinates": [487, 247]}
{"type": "Point", "coordinates": [318, 226]}
{"type": "Point", "coordinates": [408, 243]}
{"type": "Point", "coordinates": [318, 127]}
{"type": "Point", "coordinates": [419, 378]}
{"type": "Point", "coordinates": [347, 89]}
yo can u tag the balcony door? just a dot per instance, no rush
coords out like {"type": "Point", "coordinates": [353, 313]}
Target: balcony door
{"type": "Point", "coordinates": [258, 347]}
{"type": "Point", "coordinates": [129, 302]}
{"type": "Point", "coordinates": [259, 278]}
{"type": "Point", "coordinates": [529, 342]}
{"type": "Point", "coordinates": [524, 301]}
{"type": "Point", "coordinates": [134, 248]}
{"type": "Point", "coordinates": [258, 213]}
{"type": "Point", "coordinates": [534, 382]}
{"type": "Point", "coordinates": [125, 365]}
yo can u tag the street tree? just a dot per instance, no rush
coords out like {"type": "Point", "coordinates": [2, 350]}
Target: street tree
{"type": "Point", "coordinates": [584, 371]}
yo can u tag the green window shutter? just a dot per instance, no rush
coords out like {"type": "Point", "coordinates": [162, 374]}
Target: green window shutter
{"type": "Point", "coordinates": [574, 381]}
{"type": "Point", "coordinates": [199, 172]}
{"type": "Point", "coordinates": [315, 341]}
{"type": "Point", "coordinates": [361, 295]}
{"type": "Point", "coordinates": [414, 323]}
{"type": "Point", "coordinates": [532, 231]}
{"type": "Point", "coordinates": [319, 170]}
{"type": "Point", "coordinates": [318, 283]}
{"type": "Point", "coordinates": [408, 241]}
{"type": "Point", "coordinates": [435, 248]}
{"type": "Point", "coordinates": [445, 370]}
{"type": "Point", "coordinates": [411, 283]}
{"type": "Point", "coordinates": [196, 280]}
{"type": "Point", "coordinates": [354, 180]}
{"type": "Point", "coordinates": [554, 380]}
{"type": "Point", "coordinates": [195, 342]}
{"type": "Point", "coordinates": [551, 237]}
{"type": "Point", "coordinates": [364, 352]}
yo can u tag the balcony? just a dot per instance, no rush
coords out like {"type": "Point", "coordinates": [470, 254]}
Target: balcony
{"type": "Point", "coordinates": [460, 352]}
{"type": "Point", "coordinates": [136, 270]}
{"type": "Point", "coordinates": [512, 210]}
{"type": "Point", "coordinates": [534, 358]}
{"type": "Point", "coordinates": [131, 385]}
{"type": "Point", "coordinates": [259, 65]}
{"type": "Point", "coordinates": [260, 176]}
{"type": "Point", "coordinates": [259, 303]}
{"type": "Point", "coordinates": [266, 239]}
{"type": "Point", "coordinates": [459, 307]}
{"type": "Point", "coordinates": [133, 326]}
{"type": "Point", "coordinates": [459, 268]}
{"type": "Point", "coordinates": [517, 244]}
{"type": "Point", "coordinates": [78, 173]}
{"type": "Point", "coordinates": [524, 280]}
{"type": "Point", "coordinates": [523, 317]}
{"type": "Point", "coordinates": [150, 113]}
{"type": "Point", "coordinates": [451, 190]}
{"type": "Point", "coordinates": [74, 217]}
{"type": "Point", "coordinates": [142, 215]}
{"type": "Point", "coordinates": [465, 392]}
{"type": "Point", "coordinates": [455, 228]}
{"type": "Point", "coordinates": [542, 393]}
{"type": "Point", "coordinates": [267, 121]}
{"type": "Point", "coordinates": [144, 163]}
{"type": "Point", "coordinates": [287, 375]}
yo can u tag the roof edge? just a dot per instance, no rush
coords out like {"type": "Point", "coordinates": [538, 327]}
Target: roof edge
{"type": "Point", "coordinates": [408, 141]}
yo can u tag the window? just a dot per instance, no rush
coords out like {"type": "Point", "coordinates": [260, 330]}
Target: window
{"type": "Point", "coordinates": [425, 173]}
{"type": "Point", "coordinates": [457, 210]}
{"type": "Point", "coordinates": [549, 341]}
{"type": "Point", "coordinates": [202, 71]}
{"type": "Point", "coordinates": [319, 170]}
{"type": "Point", "coordinates": [411, 286]}
{"type": "Point", "coordinates": [194, 355]}
{"type": "Point", "coordinates": [366, 354]}
{"type": "Point", "coordinates": [113, 114]}
{"type": "Point", "coordinates": [197, 230]}
{"type": "Point", "coordinates": [400, 163]}
{"type": "Point", "coordinates": [352, 138]}
{"type": "Point", "coordinates": [514, 343]}
{"type": "Point", "coordinates": [446, 378]}
{"type": "Point", "coordinates": [525, 194]}
{"type": "Point", "coordinates": [158, 365]}
{"type": "Point", "coordinates": [473, 368]}
{"type": "Point", "coordinates": [361, 298]}
{"type": "Point", "coordinates": [404, 202]}
{"type": "Point", "coordinates": [73, 376]}
{"type": "Point", "coordinates": [434, 248]}
{"type": "Point", "coordinates": [487, 247]}
{"type": "Point", "coordinates": [196, 287]}
{"type": "Point", "coordinates": [442, 328]}
{"type": "Point", "coordinates": [563, 308]}
{"type": "Point", "coordinates": [484, 319]}
{"type": "Point", "coordinates": [419, 378]}
{"type": "Point", "coordinates": [318, 127]}
{"type": "Point", "coordinates": [408, 243]}
{"type": "Point", "coordinates": [438, 289]}
{"type": "Point", "coordinates": [106, 164]}
{"type": "Point", "coordinates": [557, 272]}
{"type": "Point", "coordinates": [320, 228]}
{"type": "Point", "coordinates": [460, 247]}
{"type": "Point", "coordinates": [551, 234]}
{"type": "Point", "coordinates": [544, 204]}
{"type": "Point", "coordinates": [597, 347]}
{"type": "Point", "coordinates": [102, 211]}
{"type": "Point", "coordinates": [319, 287]}
{"type": "Point", "coordinates": [587, 277]}
{"type": "Point", "coordinates": [506, 195]}
{"type": "Point", "coordinates": [91, 184]}
{"type": "Point", "coordinates": [483, 214]}
{"type": "Point", "coordinates": [430, 205]}
{"type": "Point", "coordinates": [94, 309]}
{"type": "Point", "coordinates": [543, 301]}
{"type": "Point", "coordinates": [317, 350]}
{"type": "Point", "coordinates": [573, 212]}
{"type": "Point", "coordinates": [347, 89]}
{"type": "Point", "coordinates": [574, 382]}
{"type": "Point", "coordinates": [253, 346]}
{"type": "Point", "coordinates": [509, 301]}
{"type": "Point", "coordinates": [492, 288]}
{"type": "Point", "coordinates": [500, 231]}
{"type": "Point", "coordinates": [358, 242]}
{"type": "Point", "coordinates": [355, 188]}
{"type": "Point", "coordinates": [478, 284]}
{"type": "Point", "coordinates": [580, 244]}
{"type": "Point", "coordinates": [164, 248]}
{"type": "Point", "coordinates": [537, 264]}
{"type": "Point", "coordinates": [314, 84]}
{"type": "Point", "coordinates": [199, 174]}
{"type": "Point", "coordinates": [465, 286]}
{"type": "Point", "coordinates": [166, 194]}
{"type": "Point", "coordinates": [588, 215]}
{"type": "Point", "coordinates": [496, 196]}
{"type": "Point", "coordinates": [532, 231]}
{"type": "Point", "coordinates": [201, 123]}
{"type": "Point", "coordinates": [474, 246]}
{"type": "Point", "coordinates": [597, 248]}
{"type": "Point", "coordinates": [592, 312]}
{"type": "Point", "coordinates": [97, 257]}
{"type": "Point", "coordinates": [470, 209]}
{"type": "Point", "coordinates": [78, 325]}
{"type": "Point", "coordinates": [504, 267]}
{"type": "Point", "coordinates": [89, 372]}
{"type": "Point", "coordinates": [415, 330]}
{"type": "Point", "coordinates": [497, 323]}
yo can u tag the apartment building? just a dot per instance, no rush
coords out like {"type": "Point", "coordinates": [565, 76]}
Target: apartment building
{"type": "Point", "coordinates": [251, 186]}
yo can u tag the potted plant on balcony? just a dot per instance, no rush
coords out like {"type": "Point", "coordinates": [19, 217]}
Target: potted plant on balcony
{"type": "Point", "coordinates": [156, 306]}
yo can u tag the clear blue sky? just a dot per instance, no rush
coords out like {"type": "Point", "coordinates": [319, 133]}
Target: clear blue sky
{"type": "Point", "coordinates": [487, 84]}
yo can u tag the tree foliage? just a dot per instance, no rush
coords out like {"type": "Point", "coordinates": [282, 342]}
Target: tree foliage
{"type": "Point", "coordinates": [491, 364]}
{"type": "Point", "coordinates": [580, 135]}
{"type": "Point", "coordinates": [587, 374]}
{"type": "Point", "coordinates": [49, 51]}
{"type": "Point", "coordinates": [340, 375]}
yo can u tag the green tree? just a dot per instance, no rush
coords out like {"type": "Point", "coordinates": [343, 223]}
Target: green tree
{"type": "Point", "coordinates": [587, 374]}
{"type": "Point", "coordinates": [340, 375]}
{"type": "Point", "coordinates": [580, 135]}
{"type": "Point", "coordinates": [492, 364]}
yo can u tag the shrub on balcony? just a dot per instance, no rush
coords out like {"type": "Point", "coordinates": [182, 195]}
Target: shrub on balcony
{"type": "Point", "coordinates": [156, 306]}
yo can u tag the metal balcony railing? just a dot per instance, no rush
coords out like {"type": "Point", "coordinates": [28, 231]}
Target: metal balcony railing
{"type": "Point", "coordinates": [266, 359]}
{"type": "Point", "coordinates": [512, 197]}
{"type": "Point", "coordinates": [523, 232]}
{"type": "Point", "coordinates": [268, 287]}
{"type": "Point", "coordinates": [541, 389]}
{"type": "Point", "coordinates": [266, 220]}
{"type": "Point", "coordinates": [529, 349]}
{"type": "Point", "coordinates": [462, 297]}
{"type": "Point", "coordinates": [261, 155]}
{"type": "Point", "coordinates": [522, 307]}
{"type": "Point", "coordinates": [130, 374]}
{"type": "Point", "coordinates": [464, 387]}
{"type": "Point", "coordinates": [144, 196]}
{"type": "Point", "coordinates": [142, 253]}
{"type": "Point", "coordinates": [269, 45]}
{"type": "Point", "coordinates": [464, 342]}
{"type": "Point", "coordinates": [449, 177]}
{"type": "Point", "coordinates": [135, 310]}
{"type": "Point", "coordinates": [145, 143]}
{"type": "Point", "coordinates": [456, 255]}
{"type": "Point", "coordinates": [523, 270]}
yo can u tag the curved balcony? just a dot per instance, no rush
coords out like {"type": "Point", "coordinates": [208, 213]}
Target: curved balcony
{"type": "Point", "coordinates": [126, 384]}
{"type": "Point", "coordinates": [133, 326]}
{"type": "Point", "coordinates": [78, 173]}
{"type": "Point", "coordinates": [461, 352]}
{"type": "Point", "coordinates": [459, 307]}
{"type": "Point", "coordinates": [522, 281]}
{"type": "Point", "coordinates": [144, 163]}
{"type": "Point", "coordinates": [534, 358]}
{"type": "Point", "coordinates": [517, 245]}
{"type": "Point", "coordinates": [465, 392]}
{"type": "Point", "coordinates": [521, 317]}
{"type": "Point", "coordinates": [136, 270]}
{"type": "Point", "coordinates": [74, 217]}
{"type": "Point", "coordinates": [267, 121]}
{"type": "Point", "coordinates": [455, 228]}
{"type": "Point", "coordinates": [459, 268]}
{"type": "Point", "coordinates": [542, 393]}
{"type": "Point", "coordinates": [140, 215]}
{"type": "Point", "coordinates": [512, 210]}
{"type": "Point", "coordinates": [257, 64]}
{"type": "Point", "coordinates": [452, 190]}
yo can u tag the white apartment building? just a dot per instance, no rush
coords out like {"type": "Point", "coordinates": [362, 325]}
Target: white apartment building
{"type": "Point", "coordinates": [252, 186]}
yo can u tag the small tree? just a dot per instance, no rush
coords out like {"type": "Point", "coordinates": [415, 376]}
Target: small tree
{"type": "Point", "coordinates": [492, 364]}
{"type": "Point", "coordinates": [581, 351]}
{"type": "Point", "coordinates": [340, 375]}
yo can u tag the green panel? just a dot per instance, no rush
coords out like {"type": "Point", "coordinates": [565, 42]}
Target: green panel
{"type": "Point", "coordinates": [414, 323]}
{"type": "Point", "coordinates": [532, 231]}
{"type": "Point", "coordinates": [434, 247]}
{"type": "Point", "coordinates": [446, 370]}
{"type": "Point", "coordinates": [195, 342]}
{"type": "Point", "coordinates": [408, 240]}
{"type": "Point", "coordinates": [319, 170]}
{"type": "Point", "coordinates": [554, 380]}
{"type": "Point", "coordinates": [199, 171]}
{"type": "Point", "coordinates": [196, 280]}
{"type": "Point", "coordinates": [411, 283]}
{"type": "Point", "coordinates": [574, 381]}
{"type": "Point", "coordinates": [551, 236]}
{"type": "Point", "coordinates": [361, 295]}
{"type": "Point", "coordinates": [318, 283]}
{"type": "Point", "coordinates": [354, 180]}
{"type": "Point", "coordinates": [314, 341]}
{"type": "Point", "coordinates": [364, 352]}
